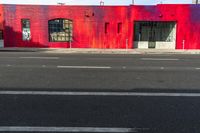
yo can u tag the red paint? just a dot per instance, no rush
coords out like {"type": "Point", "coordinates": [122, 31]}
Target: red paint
{"type": "Point", "coordinates": [89, 24]}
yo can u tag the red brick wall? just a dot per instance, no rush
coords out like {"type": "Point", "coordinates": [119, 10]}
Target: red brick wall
{"type": "Point", "coordinates": [89, 24]}
{"type": "Point", "coordinates": [1, 17]}
{"type": "Point", "coordinates": [178, 13]}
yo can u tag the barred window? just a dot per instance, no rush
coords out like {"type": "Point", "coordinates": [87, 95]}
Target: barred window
{"type": "Point", "coordinates": [60, 30]}
{"type": "Point", "coordinates": [26, 33]}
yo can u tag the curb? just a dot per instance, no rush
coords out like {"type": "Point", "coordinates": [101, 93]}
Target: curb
{"type": "Point", "coordinates": [99, 51]}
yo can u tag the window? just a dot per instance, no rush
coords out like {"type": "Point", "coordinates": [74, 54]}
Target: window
{"type": "Point", "coordinates": [107, 27]}
{"type": "Point", "coordinates": [1, 34]}
{"type": "Point", "coordinates": [60, 30]}
{"type": "Point", "coordinates": [26, 33]}
{"type": "Point", "coordinates": [119, 28]}
{"type": "Point", "coordinates": [155, 31]}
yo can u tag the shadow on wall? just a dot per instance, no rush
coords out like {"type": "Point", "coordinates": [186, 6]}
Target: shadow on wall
{"type": "Point", "coordinates": [15, 39]}
{"type": "Point", "coordinates": [93, 36]}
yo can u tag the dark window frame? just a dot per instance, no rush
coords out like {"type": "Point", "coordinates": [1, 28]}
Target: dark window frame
{"type": "Point", "coordinates": [119, 27]}
{"type": "Point", "coordinates": [1, 35]}
{"type": "Point", "coordinates": [107, 27]}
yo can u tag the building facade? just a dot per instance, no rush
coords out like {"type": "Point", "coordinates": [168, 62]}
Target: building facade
{"type": "Point", "coordinates": [163, 26]}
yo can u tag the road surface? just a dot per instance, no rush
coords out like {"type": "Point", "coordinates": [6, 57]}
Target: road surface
{"type": "Point", "coordinates": [32, 70]}
{"type": "Point", "coordinates": [44, 93]}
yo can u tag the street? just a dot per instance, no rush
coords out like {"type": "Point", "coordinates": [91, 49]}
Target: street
{"type": "Point", "coordinates": [45, 93]}
{"type": "Point", "coordinates": [83, 71]}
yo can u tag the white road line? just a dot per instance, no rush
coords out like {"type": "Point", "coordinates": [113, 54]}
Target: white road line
{"type": "Point", "coordinates": [61, 93]}
{"type": "Point", "coordinates": [159, 59]}
{"type": "Point", "coordinates": [66, 129]}
{"type": "Point", "coordinates": [162, 68]}
{"type": "Point", "coordinates": [85, 67]}
{"type": "Point", "coordinates": [124, 67]}
{"type": "Point", "coordinates": [197, 68]}
{"type": "Point", "coordinates": [47, 58]}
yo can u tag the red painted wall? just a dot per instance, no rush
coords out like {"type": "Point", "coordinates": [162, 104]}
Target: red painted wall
{"type": "Point", "coordinates": [1, 17]}
{"type": "Point", "coordinates": [89, 24]}
{"type": "Point", "coordinates": [88, 30]}
{"type": "Point", "coordinates": [178, 13]}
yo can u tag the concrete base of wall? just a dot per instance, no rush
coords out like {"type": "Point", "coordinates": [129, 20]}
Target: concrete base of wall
{"type": "Point", "coordinates": [1, 43]}
{"type": "Point", "coordinates": [159, 45]}
{"type": "Point", "coordinates": [141, 45]}
{"type": "Point", "coordinates": [165, 45]}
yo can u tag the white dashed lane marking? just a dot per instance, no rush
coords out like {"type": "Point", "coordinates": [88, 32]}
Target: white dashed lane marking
{"type": "Point", "coordinates": [159, 59]}
{"type": "Point", "coordinates": [85, 67]}
{"type": "Point", "coordinates": [46, 58]}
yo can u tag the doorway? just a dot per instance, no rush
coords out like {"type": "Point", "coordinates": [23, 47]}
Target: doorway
{"type": "Point", "coordinates": [1, 39]}
{"type": "Point", "coordinates": [155, 35]}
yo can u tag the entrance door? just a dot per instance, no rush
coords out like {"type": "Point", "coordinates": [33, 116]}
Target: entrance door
{"type": "Point", "coordinates": [152, 39]}
{"type": "Point", "coordinates": [1, 39]}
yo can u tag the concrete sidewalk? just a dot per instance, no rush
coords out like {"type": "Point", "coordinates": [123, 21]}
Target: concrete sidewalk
{"type": "Point", "coordinates": [98, 51]}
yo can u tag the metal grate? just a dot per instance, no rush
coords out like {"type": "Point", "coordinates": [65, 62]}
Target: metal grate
{"type": "Point", "coordinates": [60, 30]}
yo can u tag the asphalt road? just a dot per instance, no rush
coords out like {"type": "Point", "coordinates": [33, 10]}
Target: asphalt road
{"type": "Point", "coordinates": [33, 70]}
{"type": "Point", "coordinates": [91, 113]}
{"type": "Point", "coordinates": [44, 93]}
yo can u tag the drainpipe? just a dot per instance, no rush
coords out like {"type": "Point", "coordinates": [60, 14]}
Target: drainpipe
{"type": "Point", "coordinates": [70, 44]}
{"type": "Point", "coordinates": [126, 44]}
{"type": "Point", "coordinates": [183, 44]}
